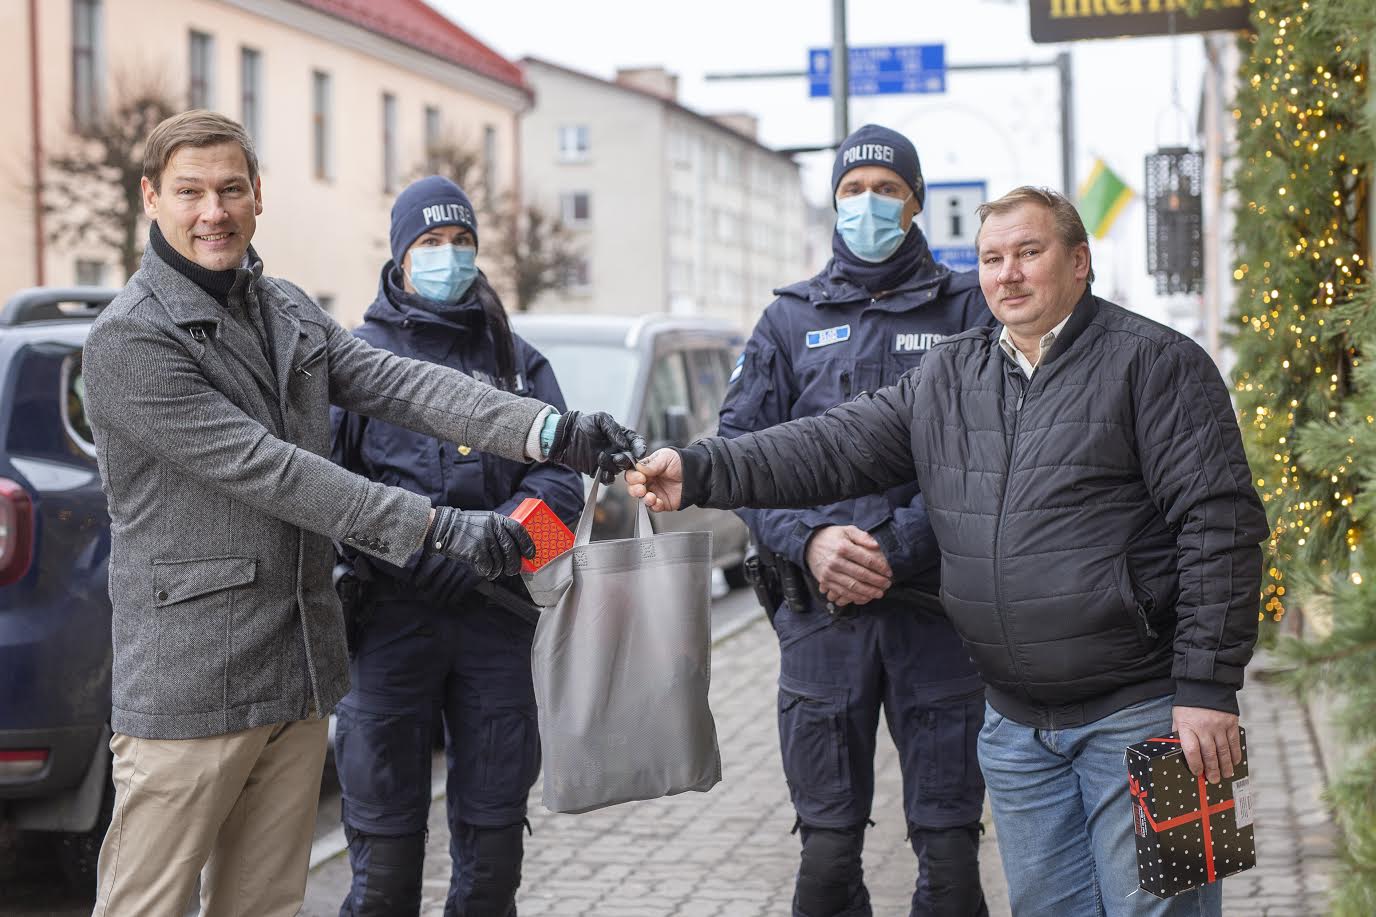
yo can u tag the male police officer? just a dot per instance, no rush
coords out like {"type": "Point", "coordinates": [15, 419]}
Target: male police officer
{"type": "Point", "coordinates": [871, 633]}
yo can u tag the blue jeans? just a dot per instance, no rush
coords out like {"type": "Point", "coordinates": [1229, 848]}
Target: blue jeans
{"type": "Point", "coordinates": [1064, 817]}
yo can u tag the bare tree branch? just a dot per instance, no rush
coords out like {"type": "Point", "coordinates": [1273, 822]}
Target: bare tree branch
{"type": "Point", "coordinates": [529, 251]}
{"type": "Point", "coordinates": [91, 192]}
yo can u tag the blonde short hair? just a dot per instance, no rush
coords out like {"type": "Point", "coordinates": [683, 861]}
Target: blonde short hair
{"type": "Point", "coordinates": [1069, 227]}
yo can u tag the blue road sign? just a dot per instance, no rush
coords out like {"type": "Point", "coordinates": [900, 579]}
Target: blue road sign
{"type": "Point", "coordinates": [882, 70]}
{"type": "Point", "coordinates": [950, 221]}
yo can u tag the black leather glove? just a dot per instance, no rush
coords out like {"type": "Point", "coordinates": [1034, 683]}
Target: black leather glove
{"type": "Point", "coordinates": [596, 445]}
{"type": "Point", "coordinates": [490, 543]}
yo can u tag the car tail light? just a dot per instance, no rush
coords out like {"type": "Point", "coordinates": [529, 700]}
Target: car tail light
{"type": "Point", "coordinates": [16, 532]}
{"type": "Point", "coordinates": [21, 763]}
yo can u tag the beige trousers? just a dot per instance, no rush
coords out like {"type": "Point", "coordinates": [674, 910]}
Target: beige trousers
{"type": "Point", "coordinates": [240, 805]}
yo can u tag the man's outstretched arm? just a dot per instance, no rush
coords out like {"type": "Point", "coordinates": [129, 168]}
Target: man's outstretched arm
{"type": "Point", "coordinates": [861, 447]}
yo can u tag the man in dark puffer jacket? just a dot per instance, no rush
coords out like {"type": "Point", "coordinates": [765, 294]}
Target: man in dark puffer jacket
{"type": "Point", "coordinates": [1085, 478]}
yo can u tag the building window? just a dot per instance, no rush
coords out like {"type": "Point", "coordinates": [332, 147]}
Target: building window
{"type": "Point", "coordinates": [681, 214]}
{"type": "Point", "coordinates": [90, 273]}
{"type": "Point", "coordinates": [760, 233]}
{"type": "Point", "coordinates": [201, 91]}
{"type": "Point", "coordinates": [86, 63]}
{"type": "Point", "coordinates": [251, 95]}
{"type": "Point", "coordinates": [389, 143]}
{"type": "Point", "coordinates": [681, 149]}
{"type": "Point", "coordinates": [320, 107]}
{"type": "Point", "coordinates": [573, 142]}
{"type": "Point", "coordinates": [433, 132]}
{"type": "Point", "coordinates": [575, 208]}
{"type": "Point", "coordinates": [726, 284]}
{"type": "Point", "coordinates": [680, 276]}
{"type": "Point", "coordinates": [726, 226]}
{"type": "Point", "coordinates": [578, 274]}
{"type": "Point", "coordinates": [489, 164]}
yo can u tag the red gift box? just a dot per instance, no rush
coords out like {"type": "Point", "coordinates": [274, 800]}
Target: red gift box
{"type": "Point", "coordinates": [551, 536]}
{"type": "Point", "coordinates": [1189, 832]}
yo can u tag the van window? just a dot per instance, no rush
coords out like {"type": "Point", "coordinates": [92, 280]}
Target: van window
{"type": "Point", "coordinates": [592, 377]}
{"type": "Point", "coordinates": [668, 388]}
{"type": "Point", "coordinates": [707, 372]}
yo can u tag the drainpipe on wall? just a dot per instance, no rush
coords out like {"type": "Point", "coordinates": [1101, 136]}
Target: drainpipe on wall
{"type": "Point", "coordinates": [37, 150]}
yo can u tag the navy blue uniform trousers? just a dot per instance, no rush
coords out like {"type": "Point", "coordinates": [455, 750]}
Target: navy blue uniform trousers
{"type": "Point", "coordinates": [836, 672]}
{"type": "Point", "coordinates": [415, 665]}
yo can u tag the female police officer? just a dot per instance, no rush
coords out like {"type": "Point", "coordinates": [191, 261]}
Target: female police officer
{"type": "Point", "coordinates": [426, 643]}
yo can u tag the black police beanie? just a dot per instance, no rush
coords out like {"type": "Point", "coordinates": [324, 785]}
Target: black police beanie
{"type": "Point", "coordinates": [873, 145]}
{"type": "Point", "coordinates": [425, 204]}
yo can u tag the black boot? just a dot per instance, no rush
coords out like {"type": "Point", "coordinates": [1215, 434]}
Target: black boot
{"type": "Point", "coordinates": [948, 872]}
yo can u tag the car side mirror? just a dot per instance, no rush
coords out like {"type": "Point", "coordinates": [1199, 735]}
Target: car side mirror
{"type": "Point", "coordinates": [678, 425]}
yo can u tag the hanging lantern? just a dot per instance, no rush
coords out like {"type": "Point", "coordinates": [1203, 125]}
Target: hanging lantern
{"type": "Point", "coordinates": [1175, 219]}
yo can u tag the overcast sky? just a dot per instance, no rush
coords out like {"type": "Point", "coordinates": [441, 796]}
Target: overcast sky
{"type": "Point", "coordinates": [1003, 127]}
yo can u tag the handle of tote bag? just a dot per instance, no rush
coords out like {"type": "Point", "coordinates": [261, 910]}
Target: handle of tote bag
{"type": "Point", "coordinates": [583, 534]}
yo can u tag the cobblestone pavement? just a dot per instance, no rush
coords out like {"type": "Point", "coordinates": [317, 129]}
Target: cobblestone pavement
{"type": "Point", "coordinates": [728, 853]}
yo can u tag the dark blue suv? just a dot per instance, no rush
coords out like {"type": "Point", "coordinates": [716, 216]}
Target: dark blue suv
{"type": "Point", "coordinates": [54, 554]}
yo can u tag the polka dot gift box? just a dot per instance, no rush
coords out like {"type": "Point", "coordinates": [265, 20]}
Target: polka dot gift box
{"type": "Point", "coordinates": [1189, 832]}
{"type": "Point", "coordinates": [551, 536]}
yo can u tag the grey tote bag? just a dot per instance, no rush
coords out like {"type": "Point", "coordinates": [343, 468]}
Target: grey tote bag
{"type": "Point", "coordinates": [622, 661]}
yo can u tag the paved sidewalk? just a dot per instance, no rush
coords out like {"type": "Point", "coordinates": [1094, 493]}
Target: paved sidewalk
{"type": "Point", "coordinates": [728, 853]}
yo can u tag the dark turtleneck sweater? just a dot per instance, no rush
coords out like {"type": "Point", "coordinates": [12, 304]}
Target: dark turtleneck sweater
{"type": "Point", "coordinates": [218, 285]}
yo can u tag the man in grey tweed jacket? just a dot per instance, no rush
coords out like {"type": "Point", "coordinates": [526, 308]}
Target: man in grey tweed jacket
{"type": "Point", "coordinates": [209, 387]}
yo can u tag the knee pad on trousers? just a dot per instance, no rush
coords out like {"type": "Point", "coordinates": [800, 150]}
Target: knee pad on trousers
{"type": "Point", "coordinates": [948, 883]}
{"type": "Point", "coordinates": [830, 876]}
{"type": "Point", "coordinates": [386, 874]}
{"type": "Point", "coordinates": [491, 861]}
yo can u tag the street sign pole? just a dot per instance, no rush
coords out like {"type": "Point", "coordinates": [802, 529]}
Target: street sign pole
{"type": "Point", "coordinates": [1061, 63]}
{"type": "Point", "coordinates": [1067, 125]}
{"type": "Point", "coordinates": [840, 73]}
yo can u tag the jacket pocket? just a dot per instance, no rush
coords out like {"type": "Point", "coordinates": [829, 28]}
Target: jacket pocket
{"type": "Point", "coordinates": [1138, 601]}
{"type": "Point", "coordinates": [194, 602]}
{"type": "Point", "coordinates": [177, 581]}
{"type": "Point", "coordinates": [305, 364]}
{"type": "Point", "coordinates": [812, 737]}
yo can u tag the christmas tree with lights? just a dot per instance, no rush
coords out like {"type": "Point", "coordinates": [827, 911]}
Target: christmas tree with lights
{"type": "Point", "coordinates": [1305, 327]}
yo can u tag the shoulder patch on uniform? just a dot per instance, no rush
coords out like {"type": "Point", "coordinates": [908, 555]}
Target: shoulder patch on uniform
{"type": "Point", "coordinates": [736, 373]}
{"type": "Point", "coordinates": [825, 336]}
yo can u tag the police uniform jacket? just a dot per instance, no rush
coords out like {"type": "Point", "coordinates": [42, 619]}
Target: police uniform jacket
{"type": "Point", "coordinates": [823, 342]}
{"type": "Point", "coordinates": [444, 472]}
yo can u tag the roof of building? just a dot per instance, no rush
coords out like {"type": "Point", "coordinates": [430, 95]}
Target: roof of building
{"type": "Point", "coordinates": [669, 103]}
{"type": "Point", "coordinates": [417, 24]}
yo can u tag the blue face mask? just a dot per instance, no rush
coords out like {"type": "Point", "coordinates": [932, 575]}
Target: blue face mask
{"type": "Point", "coordinates": [870, 225]}
{"type": "Point", "coordinates": [442, 272]}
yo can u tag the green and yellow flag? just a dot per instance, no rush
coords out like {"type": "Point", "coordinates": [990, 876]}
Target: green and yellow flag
{"type": "Point", "coordinates": [1102, 198]}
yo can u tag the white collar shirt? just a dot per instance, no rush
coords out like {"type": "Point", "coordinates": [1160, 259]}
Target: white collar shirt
{"type": "Point", "coordinates": [1027, 366]}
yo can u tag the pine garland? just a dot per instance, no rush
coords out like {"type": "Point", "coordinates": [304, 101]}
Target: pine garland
{"type": "Point", "coordinates": [1306, 316]}
{"type": "Point", "coordinates": [1301, 259]}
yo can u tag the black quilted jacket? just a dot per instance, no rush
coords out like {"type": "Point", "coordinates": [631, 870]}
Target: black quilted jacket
{"type": "Point", "coordinates": [1098, 526]}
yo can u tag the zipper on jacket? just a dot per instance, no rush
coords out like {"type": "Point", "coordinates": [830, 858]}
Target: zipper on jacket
{"type": "Point", "coordinates": [1142, 613]}
{"type": "Point", "coordinates": [845, 385]}
{"type": "Point", "coordinates": [1022, 384]}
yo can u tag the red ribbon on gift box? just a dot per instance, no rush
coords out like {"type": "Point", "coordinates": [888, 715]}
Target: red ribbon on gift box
{"type": "Point", "coordinates": [1202, 813]}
